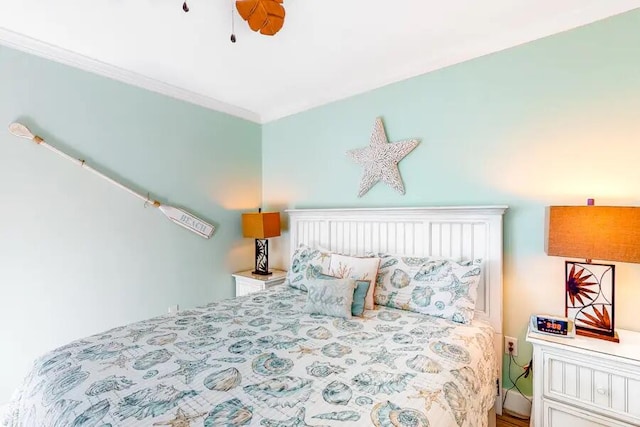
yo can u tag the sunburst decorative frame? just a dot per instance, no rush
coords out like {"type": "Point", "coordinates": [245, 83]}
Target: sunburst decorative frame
{"type": "Point", "coordinates": [589, 298]}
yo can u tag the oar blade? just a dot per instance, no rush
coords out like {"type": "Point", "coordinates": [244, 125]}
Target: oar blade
{"type": "Point", "coordinates": [188, 221]}
{"type": "Point", "coordinates": [20, 130]}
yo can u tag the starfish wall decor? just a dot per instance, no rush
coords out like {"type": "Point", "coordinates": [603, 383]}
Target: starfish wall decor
{"type": "Point", "coordinates": [380, 159]}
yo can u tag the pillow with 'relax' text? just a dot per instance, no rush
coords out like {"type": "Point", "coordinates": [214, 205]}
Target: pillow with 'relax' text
{"type": "Point", "coordinates": [359, 294]}
{"type": "Point", "coordinates": [330, 297]}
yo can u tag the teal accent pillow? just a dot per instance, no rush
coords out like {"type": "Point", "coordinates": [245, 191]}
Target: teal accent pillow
{"type": "Point", "coordinates": [359, 293]}
{"type": "Point", "coordinates": [330, 297]}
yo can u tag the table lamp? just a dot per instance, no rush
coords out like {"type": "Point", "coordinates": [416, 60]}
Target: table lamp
{"type": "Point", "coordinates": [261, 226]}
{"type": "Point", "coordinates": [609, 233]}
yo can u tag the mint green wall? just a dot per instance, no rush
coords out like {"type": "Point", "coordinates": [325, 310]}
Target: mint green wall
{"type": "Point", "coordinates": [78, 255]}
{"type": "Point", "coordinates": [551, 122]}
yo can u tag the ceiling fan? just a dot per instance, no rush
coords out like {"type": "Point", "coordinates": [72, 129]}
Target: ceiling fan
{"type": "Point", "coordinates": [266, 16]}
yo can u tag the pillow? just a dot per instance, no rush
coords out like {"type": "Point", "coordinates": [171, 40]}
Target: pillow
{"type": "Point", "coordinates": [395, 272]}
{"type": "Point", "coordinates": [306, 263]}
{"type": "Point", "coordinates": [359, 297]}
{"type": "Point", "coordinates": [356, 268]}
{"type": "Point", "coordinates": [359, 294]}
{"type": "Point", "coordinates": [331, 297]}
{"type": "Point", "coordinates": [440, 288]}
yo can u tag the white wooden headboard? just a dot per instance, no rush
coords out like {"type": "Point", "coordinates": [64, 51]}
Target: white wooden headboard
{"type": "Point", "coordinates": [468, 232]}
{"type": "Point", "coordinates": [465, 232]}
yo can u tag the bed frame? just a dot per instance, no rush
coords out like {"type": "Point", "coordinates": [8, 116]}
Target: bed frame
{"type": "Point", "coordinates": [466, 232]}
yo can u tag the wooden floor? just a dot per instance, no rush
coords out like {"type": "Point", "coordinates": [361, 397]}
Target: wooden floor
{"type": "Point", "coordinates": [507, 421]}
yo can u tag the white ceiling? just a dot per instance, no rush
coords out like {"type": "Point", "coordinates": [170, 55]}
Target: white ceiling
{"type": "Point", "coordinates": [327, 50]}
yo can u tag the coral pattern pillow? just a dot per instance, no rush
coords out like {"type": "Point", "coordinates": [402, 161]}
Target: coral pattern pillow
{"type": "Point", "coordinates": [438, 287]}
{"type": "Point", "coordinates": [306, 264]}
{"type": "Point", "coordinates": [356, 268]}
{"type": "Point", "coordinates": [331, 297]}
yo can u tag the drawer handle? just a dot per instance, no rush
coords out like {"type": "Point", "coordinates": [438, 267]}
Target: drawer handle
{"type": "Point", "coordinates": [602, 390]}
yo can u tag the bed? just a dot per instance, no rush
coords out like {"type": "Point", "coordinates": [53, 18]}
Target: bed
{"type": "Point", "coordinates": [259, 360]}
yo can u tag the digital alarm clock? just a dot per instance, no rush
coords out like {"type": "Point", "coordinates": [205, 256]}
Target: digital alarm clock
{"type": "Point", "coordinates": [553, 325]}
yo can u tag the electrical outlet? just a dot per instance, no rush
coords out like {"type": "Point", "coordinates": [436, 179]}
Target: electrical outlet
{"type": "Point", "coordinates": [511, 343]}
{"type": "Point", "coordinates": [173, 309]}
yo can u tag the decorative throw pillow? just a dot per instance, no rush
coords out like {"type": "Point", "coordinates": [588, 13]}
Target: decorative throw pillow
{"type": "Point", "coordinates": [359, 297]}
{"type": "Point", "coordinates": [306, 263]}
{"type": "Point", "coordinates": [395, 272]}
{"type": "Point", "coordinates": [359, 294]}
{"type": "Point", "coordinates": [441, 288]}
{"type": "Point", "coordinates": [356, 268]}
{"type": "Point", "coordinates": [331, 297]}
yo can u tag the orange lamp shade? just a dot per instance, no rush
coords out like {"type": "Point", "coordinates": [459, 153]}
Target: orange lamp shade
{"type": "Point", "coordinates": [610, 233]}
{"type": "Point", "coordinates": [261, 225]}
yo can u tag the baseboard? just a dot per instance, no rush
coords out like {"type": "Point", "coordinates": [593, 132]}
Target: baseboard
{"type": "Point", "coordinates": [517, 405]}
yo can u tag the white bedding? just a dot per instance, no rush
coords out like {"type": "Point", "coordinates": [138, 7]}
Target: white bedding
{"type": "Point", "coordinates": [258, 360]}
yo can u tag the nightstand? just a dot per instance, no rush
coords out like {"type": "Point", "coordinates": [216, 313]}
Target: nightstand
{"type": "Point", "coordinates": [586, 382]}
{"type": "Point", "coordinates": [246, 282]}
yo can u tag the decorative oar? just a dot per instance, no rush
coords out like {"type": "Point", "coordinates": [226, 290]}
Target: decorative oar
{"type": "Point", "coordinates": [180, 217]}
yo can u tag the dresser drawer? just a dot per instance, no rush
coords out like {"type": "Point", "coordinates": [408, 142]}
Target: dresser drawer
{"type": "Point", "coordinates": [558, 415]}
{"type": "Point", "coordinates": [608, 388]}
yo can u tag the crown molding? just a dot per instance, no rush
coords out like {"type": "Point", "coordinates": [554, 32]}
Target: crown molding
{"type": "Point", "coordinates": [39, 48]}
{"type": "Point", "coordinates": [506, 37]}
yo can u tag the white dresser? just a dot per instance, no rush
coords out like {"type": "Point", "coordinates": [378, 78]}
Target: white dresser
{"type": "Point", "coordinates": [585, 382]}
{"type": "Point", "coordinates": [247, 282]}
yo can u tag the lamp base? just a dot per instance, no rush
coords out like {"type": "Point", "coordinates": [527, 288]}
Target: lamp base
{"type": "Point", "coordinates": [262, 258]}
{"type": "Point", "coordinates": [262, 273]}
{"type": "Point", "coordinates": [591, 334]}
{"type": "Point", "coordinates": [589, 299]}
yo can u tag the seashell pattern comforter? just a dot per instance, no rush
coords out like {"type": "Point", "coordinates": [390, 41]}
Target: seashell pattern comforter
{"type": "Point", "coordinates": [258, 361]}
